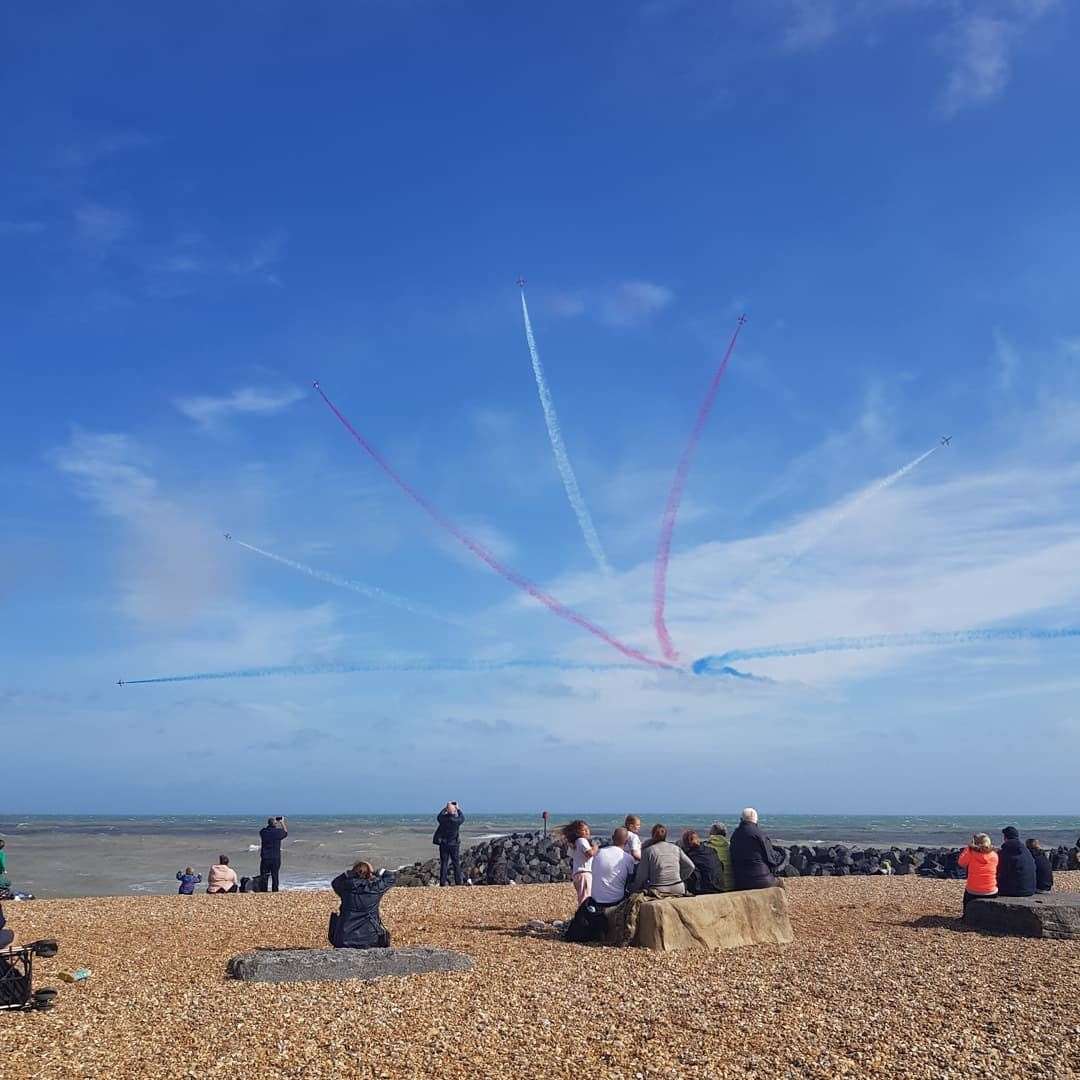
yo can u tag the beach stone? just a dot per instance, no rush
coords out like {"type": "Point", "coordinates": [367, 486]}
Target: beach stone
{"type": "Point", "coordinates": [333, 965]}
{"type": "Point", "coordinates": [717, 921]}
{"type": "Point", "coordinates": [1046, 915]}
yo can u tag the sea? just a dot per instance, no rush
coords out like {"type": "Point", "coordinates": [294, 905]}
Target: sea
{"type": "Point", "coordinates": [54, 856]}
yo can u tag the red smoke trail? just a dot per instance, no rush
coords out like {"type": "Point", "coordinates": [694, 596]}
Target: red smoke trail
{"type": "Point", "coordinates": [482, 552]}
{"type": "Point", "coordinates": [671, 511]}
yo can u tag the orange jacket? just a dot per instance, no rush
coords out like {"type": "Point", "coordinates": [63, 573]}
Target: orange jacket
{"type": "Point", "coordinates": [981, 871]}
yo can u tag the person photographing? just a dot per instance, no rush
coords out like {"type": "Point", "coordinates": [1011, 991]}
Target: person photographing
{"type": "Point", "coordinates": [270, 836]}
{"type": "Point", "coordinates": [448, 837]}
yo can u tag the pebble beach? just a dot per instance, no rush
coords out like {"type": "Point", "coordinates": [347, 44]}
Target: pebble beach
{"type": "Point", "coordinates": [881, 980]}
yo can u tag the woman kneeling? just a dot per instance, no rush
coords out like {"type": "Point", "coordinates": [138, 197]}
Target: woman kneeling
{"type": "Point", "coordinates": [357, 925]}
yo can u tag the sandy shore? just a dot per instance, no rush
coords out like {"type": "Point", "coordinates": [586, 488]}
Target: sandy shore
{"type": "Point", "coordinates": [880, 981]}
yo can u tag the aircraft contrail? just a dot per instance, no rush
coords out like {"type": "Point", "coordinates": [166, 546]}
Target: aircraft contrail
{"type": "Point", "coordinates": [482, 552]}
{"type": "Point", "coordinates": [372, 592]}
{"type": "Point", "coordinates": [671, 511]}
{"type": "Point", "coordinates": [347, 668]}
{"type": "Point", "coordinates": [833, 520]}
{"type": "Point", "coordinates": [715, 665]}
{"type": "Point", "coordinates": [558, 448]}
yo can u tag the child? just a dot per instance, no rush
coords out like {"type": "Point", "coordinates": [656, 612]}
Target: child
{"type": "Point", "coordinates": [188, 880]}
{"type": "Point", "coordinates": [577, 833]}
{"type": "Point", "coordinates": [633, 839]}
{"type": "Point", "coordinates": [981, 860]}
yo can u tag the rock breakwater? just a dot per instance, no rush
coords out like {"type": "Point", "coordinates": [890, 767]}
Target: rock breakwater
{"type": "Point", "coordinates": [531, 858]}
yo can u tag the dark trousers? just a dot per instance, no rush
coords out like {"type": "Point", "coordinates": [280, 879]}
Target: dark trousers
{"type": "Point", "coordinates": [271, 867]}
{"type": "Point", "coordinates": [449, 853]}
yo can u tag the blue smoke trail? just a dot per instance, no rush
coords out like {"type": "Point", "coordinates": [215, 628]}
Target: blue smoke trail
{"type": "Point", "coordinates": [346, 668]}
{"type": "Point", "coordinates": [372, 592]}
{"type": "Point", "coordinates": [719, 664]}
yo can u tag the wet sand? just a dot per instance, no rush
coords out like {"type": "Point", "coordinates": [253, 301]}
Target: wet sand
{"type": "Point", "coordinates": [880, 981]}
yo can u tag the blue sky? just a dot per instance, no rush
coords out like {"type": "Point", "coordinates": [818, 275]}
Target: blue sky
{"type": "Point", "coordinates": [203, 210]}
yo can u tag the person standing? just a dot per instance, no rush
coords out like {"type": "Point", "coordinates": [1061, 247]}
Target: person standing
{"type": "Point", "coordinates": [632, 846]}
{"type": "Point", "coordinates": [579, 836]}
{"type": "Point", "coordinates": [270, 837]}
{"type": "Point", "coordinates": [448, 837]}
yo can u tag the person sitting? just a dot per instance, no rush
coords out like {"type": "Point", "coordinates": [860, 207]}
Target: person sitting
{"type": "Point", "coordinates": [222, 877]}
{"type": "Point", "coordinates": [1016, 867]}
{"type": "Point", "coordinates": [188, 880]}
{"type": "Point", "coordinates": [718, 841]}
{"type": "Point", "coordinates": [7, 937]}
{"type": "Point", "coordinates": [708, 875]}
{"type": "Point", "coordinates": [753, 859]}
{"type": "Point", "coordinates": [632, 824]}
{"type": "Point", "coordinates": [358, 925]}
{"type": "Point", "coordinates": [664, 868]}
{"type": "Point", "coordinates": [1044, 874]}
{"type": "Point", "coordinates": [612, 868]}
{"type": "Point", "coordinates": [981, 861]}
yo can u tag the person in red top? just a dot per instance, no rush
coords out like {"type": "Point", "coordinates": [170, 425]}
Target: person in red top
{"type": "Point", "coordinates": [980, 859]}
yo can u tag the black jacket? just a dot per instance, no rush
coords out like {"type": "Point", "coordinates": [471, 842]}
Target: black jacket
{"type": "Point", "coordinates": [1044, 874]}
{"type": "Point", "coordinates": [270, 837]}
{"type": "Point", "coordinates": [446, 834]}
{"type": "Point", "coordinates": [752, 858]}
{"type": "Point", "coordinates": [1016, 870]}
{"type": "Point", "coordinates": [358, 924]}
{"type": "Point", "coordinates": [708, 874]}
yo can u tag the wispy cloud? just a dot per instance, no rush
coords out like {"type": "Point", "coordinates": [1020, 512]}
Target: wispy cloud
{"type": "Point", "coordinates": [808, 24]}
{"type": "Point", "coordinates": [981, 43]}
{"type": "Point", "coordinates": [171, 568]}
{"type": "Point", "coordinates": [635, 302]}
{"type": "Point", "coordinates": [208, 411]}
{"type": "Point", "coordinates": [99, 228]}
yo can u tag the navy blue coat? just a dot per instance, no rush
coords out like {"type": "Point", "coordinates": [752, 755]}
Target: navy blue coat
{"type": "Point", "coordinates": [1016, 870]}
{"type": "Point", "coordinates": [448, 832]}
{"type": "Point", "coordinates": [1044, 874]}
{"type": "Point", "coordinates": [752, 858]}
{"type": "Point", "coordinates": [358, 925]}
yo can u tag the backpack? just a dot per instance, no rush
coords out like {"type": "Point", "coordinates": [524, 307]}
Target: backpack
{"type": "Point", "coordinates": [588, 924]}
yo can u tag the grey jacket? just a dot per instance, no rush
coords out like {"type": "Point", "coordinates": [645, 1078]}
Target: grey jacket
{"type": "Point", "coordinates": [663, 868]}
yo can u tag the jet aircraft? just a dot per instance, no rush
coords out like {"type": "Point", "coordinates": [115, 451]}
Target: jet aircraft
{"type": "Point", "coordinates": [946, 439]}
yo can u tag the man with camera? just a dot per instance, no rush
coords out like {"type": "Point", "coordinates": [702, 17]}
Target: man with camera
{"type": "Point", "coordinates": [270, 837]}
{"type": "Point", "coordinates": [447, 836]}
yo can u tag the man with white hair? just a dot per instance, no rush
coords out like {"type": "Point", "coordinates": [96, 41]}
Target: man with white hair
{"type": "Point", "coordinates": [752, 856]}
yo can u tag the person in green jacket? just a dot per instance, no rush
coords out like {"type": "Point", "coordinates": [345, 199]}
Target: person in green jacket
{"type": "Point", "coordinates": [718, 841]}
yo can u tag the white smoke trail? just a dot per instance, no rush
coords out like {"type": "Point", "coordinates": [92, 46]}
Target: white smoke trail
{"type": "Point", "coordinates": [372, 592]}
{"type": "Point", "coordinates": [562, 461]}
{"type": "Point", "coordinates": [830, 524]}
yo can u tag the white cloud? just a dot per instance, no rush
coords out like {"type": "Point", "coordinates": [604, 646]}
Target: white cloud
{"type": "Point", "coordinates": [249, 400]}
{"type": "Point", "coordinates": [635, 302]}
{"type": "Point", "coordinates": [170, 569]}
{"type": "Point", "coordinates": [981, 48]}
{"type": "Point", "coordinates": [810, 23]}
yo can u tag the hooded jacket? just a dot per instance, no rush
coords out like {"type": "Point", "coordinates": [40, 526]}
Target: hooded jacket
{"type": "Point", "coordinates": [358, 925]}
{"type": "Point", "coordinates": [221, 878]}
{"type": "Point", "coordinates": [1016, 869]}
{"type": "Point", "coordinates": [722, 846]}
{"type": "Point", "coordinates": [752, 857]}
{"type": "Point", "coordinates": [187, 882]}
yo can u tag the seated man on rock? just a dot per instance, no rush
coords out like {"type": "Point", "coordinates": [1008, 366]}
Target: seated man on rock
{"type": "Point", "coordinates": [708, 876]}
{"type": "Point", "coordinates": [664, 868]}
{"type": "Point", "coordinates": [718, 841]}
{"type": "Point", "coordinates": [612, 868]}
{"type": "Point", "coordinates": [1016, 867]}
{"type": "Point", "coordinates": [1044, 872]}
{"type": "Point", "coordinates": [753, 859]}
{"type": "Point", "coordinates": [358, 925]}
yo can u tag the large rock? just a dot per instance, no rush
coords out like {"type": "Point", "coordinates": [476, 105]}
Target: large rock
{"type": "Point", "coordinates": [305, 965]}
{"type": "Point", "coordinates": [719, 921]}
{"type": "Point", "coordinates": [1049, 915]}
